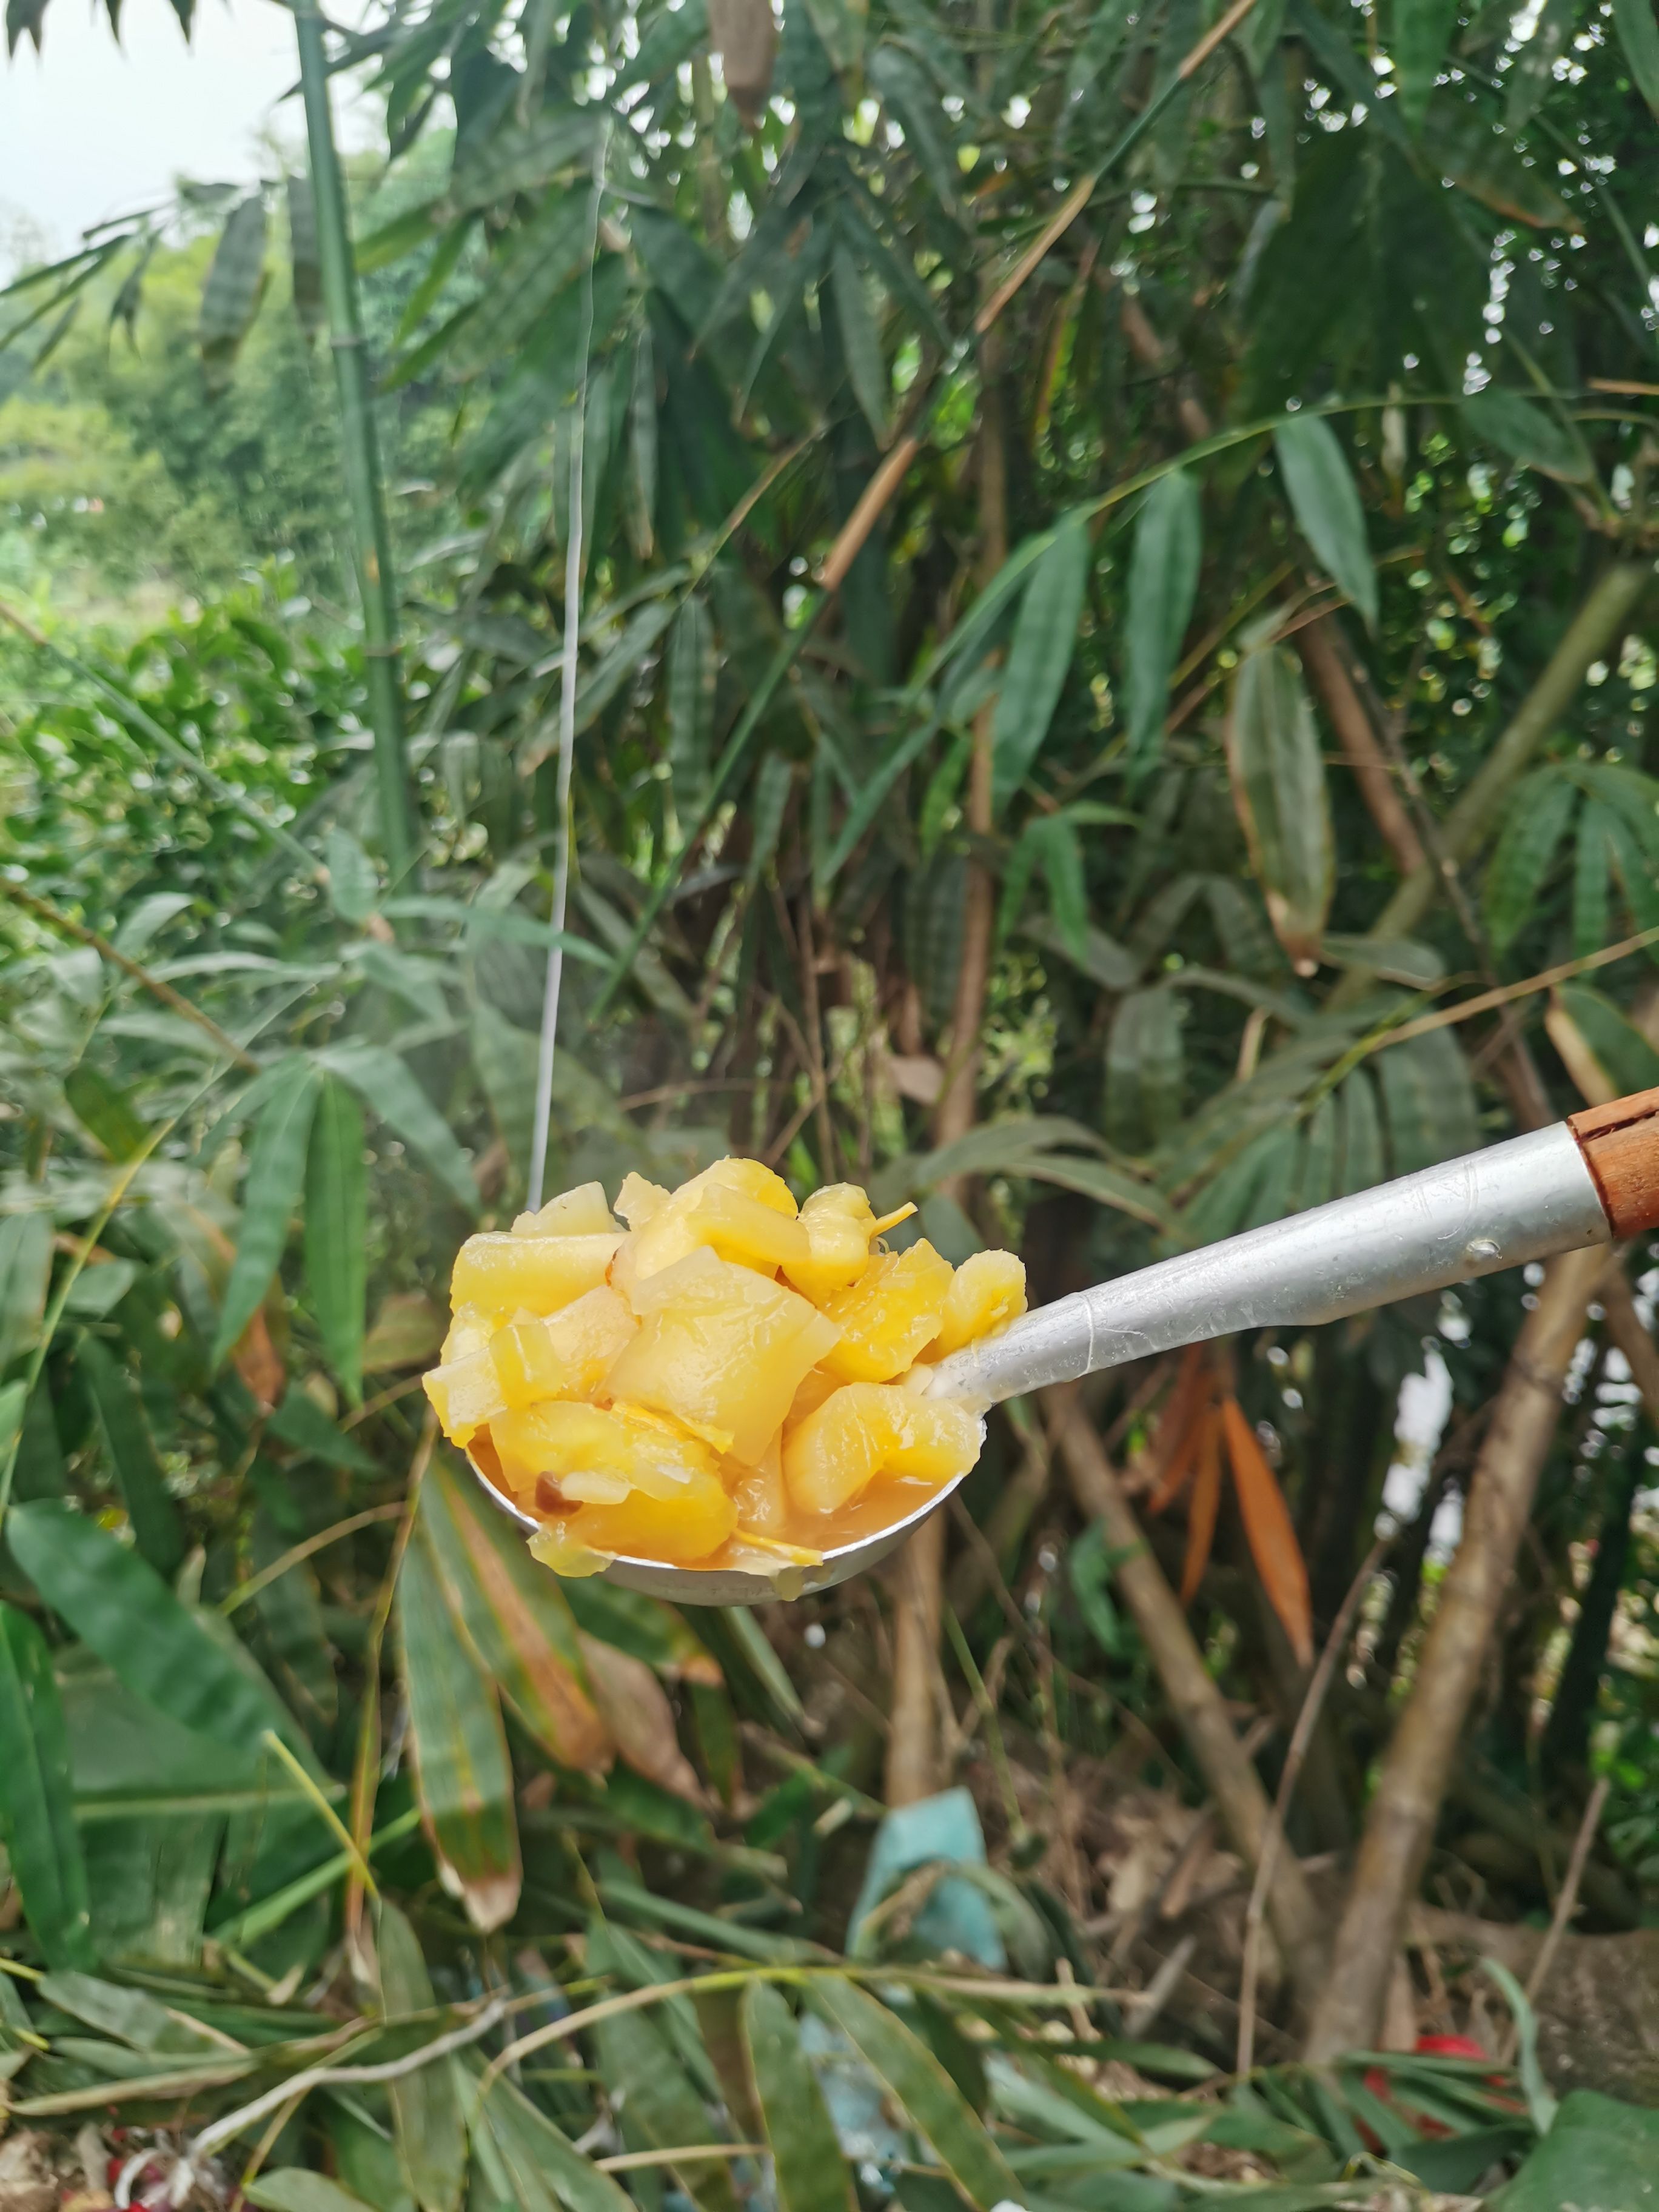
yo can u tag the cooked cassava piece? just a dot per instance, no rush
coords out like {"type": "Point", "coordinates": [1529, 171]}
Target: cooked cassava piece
{"type": "Point", "coordinates": [733, 1380]}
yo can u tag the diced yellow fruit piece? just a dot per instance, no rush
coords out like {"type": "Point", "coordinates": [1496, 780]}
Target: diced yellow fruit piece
{"type": "Point", "coordinates": [579, 1213]}
{"type": "Point", "coordinates": [639, 1201]}
{"type": "Point", "coordinates": [759, 1494]}
{"type": "Point", "coordinates": [888, 1317]}
{"type": "Point", "coordinates": [465, 1395]}
{"type": "Point", "coordinates": [567, 1354]}
{"type": "Point", "coordinates": [987, 1293]}
{"type": "Point", "coordinates": [751, 1179]}
{"type": "Point", "coordinates": [556, 1546]}
{"type": "Point", "coordinates": [500, 1272]}
{"type": "Point", "coordinates": [746, 1230]}
{"type": "Point", "coordinates": [564, 1437]}
{"type": "Point", "coordinates": [720, 1346]}
{"type": "Point", "coordinates": [681, 1530]}
{"type": "Point", "coordinates": [839, 1226]}
{"type": "Point", "coordinates": [469, 1331]}
{"type": "Point", "coordinates": [869, 1429]}
{"type": "Point", "coordinates": [814, 1390]}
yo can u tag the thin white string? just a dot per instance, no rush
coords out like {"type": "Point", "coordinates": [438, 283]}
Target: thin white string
{"type": "Point", "coordinates": [572, 623]}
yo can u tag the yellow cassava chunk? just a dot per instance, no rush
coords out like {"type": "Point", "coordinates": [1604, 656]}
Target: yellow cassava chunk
{"type": "Point", "coordinates": [579, 1213]}
{"type": "Point", "coordinates": [465, 1395]}
{"type": "Point", "coordinates": [500, 1273]}
{"type": "Point", "coordinates": [871, 1429]}
{"type": "Point", "coordinates": [839, 1226]}
{"type": "Point", "coordinates": [736, 1209]}
{"type": "Point", "coordinates": [561, 1437]}
{"type": "Point", "coordinates": [721, 1346]}
{"type": "Point", "coordinates": [469, 1331]}
{"type": "Point", "coordinates": [987, 1292]}
{"type": "Point", "coordinates": [566, 1354]}
{"type": "Point", "coordinates": [890, 1315]}
{"type": "Point", "coordinates": [681, 1530]}
{"type": "Point", "coordinates": [760, 1496]}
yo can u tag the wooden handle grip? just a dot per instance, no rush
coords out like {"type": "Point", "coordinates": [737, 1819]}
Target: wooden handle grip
{"type": "Point", "coordinates": [1620, 1144]}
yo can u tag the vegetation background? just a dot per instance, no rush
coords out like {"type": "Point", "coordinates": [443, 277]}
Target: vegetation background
{"type": "Point", "coordinates": [1113, 664]}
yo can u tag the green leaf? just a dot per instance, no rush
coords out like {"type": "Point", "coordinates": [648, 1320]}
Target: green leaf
{"type": "Point", "coordinates": [1592, 877]}
{"type": "Point", "coordinates": [463, 1774]}
{"type": "Point", "coordinates": [230, 298]}
{"type": "Point", "coordinates": [1325, 500]}
{"type": "Point", "coordinates": [661, 2111]}
{"type": "Point", "coordinates": [922, 2090]}
{"type": "Point", "coordinates": [37, 1804]}
{"type": "Point", "coordinates": [1461, 140]}
{"type": "Point", "coordinates": [1039, 655]}
{"type": "Point", "coordinates": [385, 1085]}
{"type": "Point", "coordinates": [1278, 775]}
{"type": "Point", "coordinates": [337, 1232]}
{"type": "Point", "coordinates": [1638, 34]}
{"type": "Point", "coordinates": [516, 1617]}
{"type": "Point", "coordinates": [131, 2016]}
{"type": "Point", "coordinates": [860, 339]}
{"type": "Point", "coordinates": [426, 2105]}
{"type": "Point", "coordinates": [301, 1421]}
{"type": "Point", "coordinates": [543, 2166]}
{"type": "Point", "coordinates": [301, 2189]}
{"type": "Point", "coordinates": [540, 258]}
{"type": "Point", "coordinates": [1529, 434]}
{"type": "Point", "coordinates": [1536, 822]}
{"type": "Point", "coordinates": [810, 2172]}
{"type": "Point", "coordinates": [1430, 1101]}
{"type": "Point", "coordinates": [1359, 1136]}
{"type": "Point", "coordinates": [1422, 40]}
{"type": "Point", "coordinates": [106, 1112]}
{"type": "Point", "coordinates": [354, 889]}
{"type": "Point", "coordinates": [25, 1277]}
{"type": "Point", "coordinates": [1145, 1072]}
{"type": "Point", "coordinates": [500, 163]}
{"type": "Point", "coordinates": [120, 1607]}
{"type": "Point", "coordinates": [156, 1524]}
{"type": "Point", "coordinates": [1164, 570]}
{"type": "Point", "coordinates": [275, 1174]}
{"type": "Point", "coordinates": [1531, 75]}
{"type": "Point", "coordinates": [692, 669]}
{"type": "Point", "coordinates": [1629, 1061]}
{"type": "Point", "coordinates": [1598, 2152]}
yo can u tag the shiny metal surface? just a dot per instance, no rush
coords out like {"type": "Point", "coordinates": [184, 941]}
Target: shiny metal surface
{"type": "Point", "coordinates": [737, 1585]}
{"type": "Point", "coordinates": [1492, 1209]}
{"type": "Point", "coordinates": [1497, 1209]}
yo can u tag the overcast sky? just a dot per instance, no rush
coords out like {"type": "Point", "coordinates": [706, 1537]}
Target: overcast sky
{"type": "Point", "coordinates": [89, 129]}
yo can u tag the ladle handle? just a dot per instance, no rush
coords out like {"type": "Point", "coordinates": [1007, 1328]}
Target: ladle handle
{"type": "Point", "coordinates": [1587, 1181]}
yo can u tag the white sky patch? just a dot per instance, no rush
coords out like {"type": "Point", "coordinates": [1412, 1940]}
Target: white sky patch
{"type": "Point", "coordinates": [89, 129]}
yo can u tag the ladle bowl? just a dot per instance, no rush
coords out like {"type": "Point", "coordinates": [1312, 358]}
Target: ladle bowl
{"type": "Point", "coordinates": [1589, 1180]}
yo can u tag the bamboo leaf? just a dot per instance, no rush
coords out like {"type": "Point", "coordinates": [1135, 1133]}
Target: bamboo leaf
{"type": "Point", "coordinates": [462, 1775]}
{"type": "Point", "coordinates": [1618, 1048]}
{"type": "Point", "coordinates": [1592, 878]}
{"type": "Point", "coordinates": [230, 298]}
{"type": "Point", "coordinates": [386, 1087]}
{"type": "Point", "coordinates": [1164, 570]}
{"type": "Point", "coordinates": [1638, 34]}
{"type": "Point", "coordinates": [1325, 500]}
{"type": "Point", "coordinates": [543, 2166]}
{"type": "Point", "coordinates": [106, 1111]}
{"type": "Point", "coordinates": [1269, 1532]}
{"type": "Point", "coordinates": [860, 339]}
{"type": "Point", "coordinates": [301, 2189]}
{"type": "Point", "coordinates": [1145, 1073]}
{"type": "Point", "coordinates": [634, 1709]}
{"type": "Point", "coordinates": [540, 258]}
{"type": "Point", "coordinates": [497, 164]}
{"type": "Point", "coordinates": [120, 1607]}
{"type": "Point", "coordinates": [1527, 432]}
{"type": "Point", "coordinates": [810, 2173]}
{"type": "Point", "coordinates": [1279, 792]}
{"type": "Point", "coordinates": [155, 1525]}
{"type": "Point", "coordinates": [692, 670]}
{"type": "Point", "coordinates": [1533, 827]}
{"type": "Point", "coordinates": [426, 2105]}
{"type": "Point", "coordinates": [1360, 1135]}
{"type": "Point", "coordinates": [922, 2090]}
{"type": "Point", "coordinates": [1039, 655]}
{"type": "Point", "coordinates": [275, 1174]}
{"type": "Point", "coordinates": [1422, 39]}
{"type": "Point", "coordinates": [1430, 1102]}
{"type": "Point", "coordinates": [514, 1611]}
{"type": "Point", "coordinates": [37, 1803]}
{"type": "Point", "coordinates": [25, 1277]}
{"type": "Point", "coordinates": [660, 2109]}
{"type": "Point", "coordinates": [354, 889]}
{"type": "Point", "coordinates": [336, 1231]}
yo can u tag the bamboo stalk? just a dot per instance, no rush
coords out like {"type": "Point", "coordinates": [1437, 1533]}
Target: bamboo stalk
{"type": "Point", "coordinates": [360, 452]}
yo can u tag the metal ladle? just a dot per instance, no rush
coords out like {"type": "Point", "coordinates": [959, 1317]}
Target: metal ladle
{"type": "Point", "coordinates": [1582, 1181]}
